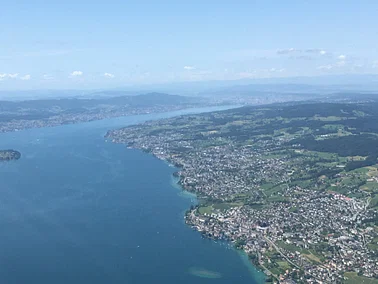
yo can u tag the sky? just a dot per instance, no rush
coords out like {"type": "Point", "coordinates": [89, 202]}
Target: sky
{"type": "Point", "coordinates": [100, 44]}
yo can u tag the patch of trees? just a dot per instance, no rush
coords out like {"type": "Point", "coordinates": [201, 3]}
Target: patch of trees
{"type": "Point", "coordinates": [293, 130]}
{"type": "Point", "coordinates": [325, 131]}
{"type": "Point", "coordinates": [328, 172]}
{"type": "Point", "coordinates": [369, 161]}
{"type": "Point", "coordinates": [313, 109]}
{"type": "Point", "coordinates": [363, 124]}
{"type": "Point", "coordinates": [352, 145]}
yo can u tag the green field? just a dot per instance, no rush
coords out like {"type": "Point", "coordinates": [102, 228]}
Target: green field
{"type": "Point", "coordinates": [353, 278]}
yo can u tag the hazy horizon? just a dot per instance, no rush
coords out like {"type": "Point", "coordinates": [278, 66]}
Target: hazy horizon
{"type": "Point", "coordinates": [115, 43]}
{"type": "Point", "coordinates": [342, 80]}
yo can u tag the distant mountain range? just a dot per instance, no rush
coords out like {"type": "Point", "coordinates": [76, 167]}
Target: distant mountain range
{"type": "Point", "coordinates": [64, 104]}
{"type": "Point", "coordinates": [320, 84]}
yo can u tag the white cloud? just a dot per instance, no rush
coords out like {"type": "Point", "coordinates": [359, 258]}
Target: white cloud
{"type": "Point", "coordinates": [315, 51]}
{"type": "Point", "coordinates": [109, 75]}
{"type": "Point", "coordinates": [325, 67]}
{"type": "Point", "coordinates": [357, 66]}
{"type": "Point", "coordinates": [275, 70]}
{"type": "Point", "coordinates": [4, 76]}
{"type": "Point", "coordinates": [48, 77]}
{"type": "Point", "coordinates": [260, 73]}
{"type": "Point", "coordinates": [204, 72]}
{"type": "Point", "coordinates": [341, 63]}
{"type": "Point", "coordinates": [76, 73]}
{"type": "Point", "coordinates": [189, 67]}
{"type": "Point", "coordinates": [302, 53]}
{"type": "Point", "coordinates": [243, 75]}
{"type": "Point", "coordinates": [26, 77]}
{"type": "Point", "coordinates": [13, 76]}
{"type": "Point", "coordinates": [375, 64]}
{"type": "Point", "coordinates": [287, 51]}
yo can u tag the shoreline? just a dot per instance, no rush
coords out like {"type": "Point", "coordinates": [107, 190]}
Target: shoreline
{"type": "Point", "coordinates": [23, 125]}
{"type": "Point", "coordinates": [254, 269]}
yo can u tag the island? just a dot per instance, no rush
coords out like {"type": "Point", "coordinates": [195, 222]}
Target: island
{"type": "Point", "coordinates": [8, 155]}
{"type": "Point", "coordinates": [294, 185]}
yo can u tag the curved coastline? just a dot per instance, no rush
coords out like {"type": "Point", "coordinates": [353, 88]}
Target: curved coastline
{"type": "Point", "coordinates": [176, 183]}
{"type": "Point", "coordinates": [161, 248]}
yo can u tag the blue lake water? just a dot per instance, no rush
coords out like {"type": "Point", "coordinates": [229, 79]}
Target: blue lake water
{"type": "Point", "coordinates": [77, 209]}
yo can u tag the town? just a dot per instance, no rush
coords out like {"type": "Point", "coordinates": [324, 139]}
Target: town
{"type": "Point", "coordinates": [283, 183]}
{"type": "Point", "coordinates": [17, 124]}
{"type": "Point", "coordinates": [19, 115]}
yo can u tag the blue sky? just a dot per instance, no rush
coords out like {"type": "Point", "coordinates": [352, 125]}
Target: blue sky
{"type": "Point", "coordinates": [99, 44]}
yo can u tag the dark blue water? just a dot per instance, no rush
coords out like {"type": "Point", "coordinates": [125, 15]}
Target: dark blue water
{"type": "Point", "coordinates": [78, 209]}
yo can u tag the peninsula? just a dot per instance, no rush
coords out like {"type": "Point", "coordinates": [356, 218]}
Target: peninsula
{"type": "Point", "coordinates": [293, 185]}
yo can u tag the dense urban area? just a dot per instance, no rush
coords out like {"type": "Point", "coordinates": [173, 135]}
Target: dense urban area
{"type": "Point", "coordinates": [293, 185]}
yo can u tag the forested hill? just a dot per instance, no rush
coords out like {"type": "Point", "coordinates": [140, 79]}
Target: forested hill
{"type": "Point", "coordinates": [147, 100]}
{"type": "Point", "coordinates": [348, 129]}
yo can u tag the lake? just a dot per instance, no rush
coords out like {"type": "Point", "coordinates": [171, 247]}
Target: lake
{"type": "Point", "coordinates": [78, 209]}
